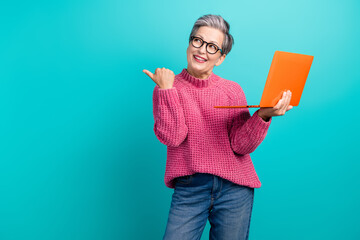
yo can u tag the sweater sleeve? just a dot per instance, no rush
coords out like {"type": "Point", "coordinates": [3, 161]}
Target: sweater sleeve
{"type": "Point", "coordinates": [247, 132]}
{"type": "Point", "coordinates": [169, 126]}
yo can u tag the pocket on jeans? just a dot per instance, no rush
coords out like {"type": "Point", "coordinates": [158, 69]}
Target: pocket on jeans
{"type": "Point", "coordinates": [184, 180]}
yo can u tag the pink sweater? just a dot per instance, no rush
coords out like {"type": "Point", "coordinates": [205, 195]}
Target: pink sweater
{"type": "Point", "coordinates": [204, 139]}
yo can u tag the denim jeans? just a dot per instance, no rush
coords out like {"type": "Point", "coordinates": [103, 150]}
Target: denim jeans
{"type": "Point", "coordinates": [202, 196]}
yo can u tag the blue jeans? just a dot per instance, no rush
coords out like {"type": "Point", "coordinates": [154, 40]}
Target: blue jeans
{"type": "Point", "coordinates": [202, 196]}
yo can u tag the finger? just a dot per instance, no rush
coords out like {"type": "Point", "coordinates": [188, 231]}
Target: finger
{"type": "Point", "coordinates": [149, 74]}
{"type": "Point", "coordinates": [286, 102]}
{"type": "Point", "coordinates": [289, 107]}
{"type": "Point", "coordinates": [279, 104]}
{"type": "Point", "coordinates": [277, 107]}
{"type": "Point", "coordinates": [284, 106]}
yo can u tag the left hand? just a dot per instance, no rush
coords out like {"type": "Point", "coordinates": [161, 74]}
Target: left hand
{"type": "Point", "coordinates": [279, 109]}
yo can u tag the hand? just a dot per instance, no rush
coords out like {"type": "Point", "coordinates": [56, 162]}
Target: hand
{"type": "Point", "coordinates": [279, 109]}
{"type": "Point", "coordinates": [163, 77]}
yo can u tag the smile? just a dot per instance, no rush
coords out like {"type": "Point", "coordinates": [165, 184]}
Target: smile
{"type": "Point", "coordinates": [199, 59]}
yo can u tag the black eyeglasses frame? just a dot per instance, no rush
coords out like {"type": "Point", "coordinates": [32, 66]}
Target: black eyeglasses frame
{"type": "Point", "coordinates": [192, 38]}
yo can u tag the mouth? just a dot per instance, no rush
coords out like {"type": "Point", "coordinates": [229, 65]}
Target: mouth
{"type": "Point", "coordinates": [199, 59]}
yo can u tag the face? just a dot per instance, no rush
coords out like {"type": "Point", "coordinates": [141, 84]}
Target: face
{"type": "Point", "coordinates": [200, 62]}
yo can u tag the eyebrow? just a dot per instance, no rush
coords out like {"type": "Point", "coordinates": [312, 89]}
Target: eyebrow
{"type": "Point", "coordinates": [210, 41]}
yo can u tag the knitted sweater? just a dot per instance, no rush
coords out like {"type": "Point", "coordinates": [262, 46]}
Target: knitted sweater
{"type": "Point", "coordinates": [204, 139]}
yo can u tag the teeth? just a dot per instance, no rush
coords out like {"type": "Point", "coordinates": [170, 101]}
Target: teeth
{"type": "Point", "coordinates": [200, 59]}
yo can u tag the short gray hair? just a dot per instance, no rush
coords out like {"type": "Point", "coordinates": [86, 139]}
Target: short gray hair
{"type": "Point", "coordinates": [217, 22]}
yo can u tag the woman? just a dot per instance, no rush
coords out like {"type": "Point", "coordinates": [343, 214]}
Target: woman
{"type": "Point", "coordinates": [208, 162]}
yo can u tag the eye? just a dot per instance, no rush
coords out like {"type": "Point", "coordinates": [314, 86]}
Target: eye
{"type": "Point", "coordinates": [213, 47]}
{"type": "Point", "coordinates": [197, 40]}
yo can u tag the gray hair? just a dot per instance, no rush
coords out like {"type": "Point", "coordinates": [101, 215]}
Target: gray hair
{"type": "Point", "coordinates": [217, 22]}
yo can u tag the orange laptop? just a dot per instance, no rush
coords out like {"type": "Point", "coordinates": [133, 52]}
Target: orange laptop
{"type": "Point", "coordinates": [288, 71]}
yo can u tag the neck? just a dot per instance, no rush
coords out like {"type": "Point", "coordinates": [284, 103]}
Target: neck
{"type": "Point", "coordinates": [205, 75]}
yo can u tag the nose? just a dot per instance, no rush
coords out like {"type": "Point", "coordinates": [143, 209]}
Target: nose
{"type": "Point", "coordinates": [202, 49]}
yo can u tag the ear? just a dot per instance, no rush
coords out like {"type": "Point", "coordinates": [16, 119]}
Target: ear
{"type": "Point", "coordinates": [220, 60]}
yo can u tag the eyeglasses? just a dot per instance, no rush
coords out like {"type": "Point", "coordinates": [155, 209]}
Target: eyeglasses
{"type": "Point", "coordinates": [210, 47]}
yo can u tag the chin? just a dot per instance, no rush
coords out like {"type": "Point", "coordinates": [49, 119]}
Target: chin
{"type": "Point", "coordinates": [201, 69]}
{"type": "Point", "coordinates": [198, 67]}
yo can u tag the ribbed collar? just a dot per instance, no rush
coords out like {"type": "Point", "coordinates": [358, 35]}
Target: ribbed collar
{"type": "Point", "coordinates": [200, 83]}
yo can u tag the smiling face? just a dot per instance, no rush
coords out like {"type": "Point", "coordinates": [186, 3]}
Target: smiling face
{"type": "Point", "coordinates": [200, 62]}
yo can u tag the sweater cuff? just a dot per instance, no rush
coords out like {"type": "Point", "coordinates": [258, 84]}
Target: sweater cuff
{"type": "Point", "coordinates": [168, 96]}
{"type": "Point", "coordinates": [262, 118]}
{"type": "Point", "coordinates": [261, 126]}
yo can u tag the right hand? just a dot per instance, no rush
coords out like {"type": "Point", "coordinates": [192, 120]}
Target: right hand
{"type": "Point", "coordinates": [163, 77]}
{"type": "Point", "coordinates": [282, 106]}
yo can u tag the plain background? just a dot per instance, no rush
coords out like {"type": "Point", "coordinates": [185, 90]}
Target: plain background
{"type": "Point", "coordinates": [78, 155]}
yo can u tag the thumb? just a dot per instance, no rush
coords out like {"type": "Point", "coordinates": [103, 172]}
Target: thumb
{"type": "Point", "coordinates": [149, 74]}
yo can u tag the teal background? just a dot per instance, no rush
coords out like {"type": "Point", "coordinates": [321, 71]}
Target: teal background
{"type": "Point", "coordinates": [78, 155]}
